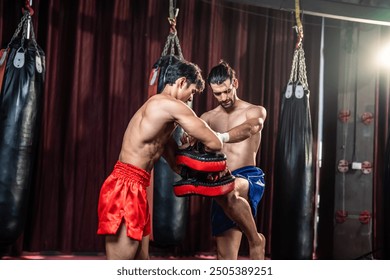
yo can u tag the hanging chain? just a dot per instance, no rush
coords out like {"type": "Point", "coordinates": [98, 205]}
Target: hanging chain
{"type": "Point", "coordinates": [172, 40]}
{"type": "Point", "coordinates": [23, 24]}
{"type": "Point", "coordinates": [302, 76]}
{"type": "Point", "coordinates": [293, 74]}
{"type": "Point", "coordinates": [33, 38]}
{"type": "Point", "coordinates": [19, 28]}
{"type": "Point", "coordinates": [25, 27]}
{"type": "Point", "coordinates": [172, 43]}
{"type": "Point", "coordinates": [298, 70]}
{"type": "Point", "coordinates": [179, 48]}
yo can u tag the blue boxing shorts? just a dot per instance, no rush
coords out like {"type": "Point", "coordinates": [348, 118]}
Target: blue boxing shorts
{"type": "Point", "coordinates": [255, 176]}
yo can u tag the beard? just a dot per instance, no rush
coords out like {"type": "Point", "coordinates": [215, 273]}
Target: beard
{"type": "Point", "coordinates": [227, 104]}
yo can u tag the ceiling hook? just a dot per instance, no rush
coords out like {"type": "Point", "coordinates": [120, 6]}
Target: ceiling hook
{"type": "Point", "coordinates": [27, 6]}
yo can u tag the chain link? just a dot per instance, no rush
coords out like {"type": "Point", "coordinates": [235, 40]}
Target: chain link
{"type": "Point", "coordinates": [23, 25]}
{"type": "Point", "coordinates": [33, 38]}
{"type": "Point", "coordinates": [170, 45]}
{"type": "Point", "coordinates": [302, 69]}
{"type": "Point", "coordinates": [179, 48]}
{"type": "Point", "coordinates": [298, 70]}
{"type": "Point", "coordinates": [19, 28]}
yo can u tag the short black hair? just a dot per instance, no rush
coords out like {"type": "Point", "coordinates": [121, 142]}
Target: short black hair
{"type": "Point", "coordinates": [221, 73]}
{"type": "Point", "coordinates": [172, 68]}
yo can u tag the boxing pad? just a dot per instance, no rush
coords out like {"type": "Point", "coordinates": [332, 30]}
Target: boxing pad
{"type": "Point", "coordinates": [196, 158]}
{"type": "Point", "coordinates": [203, 173]}
{"type": "Point", "coordinates": [194, 187]}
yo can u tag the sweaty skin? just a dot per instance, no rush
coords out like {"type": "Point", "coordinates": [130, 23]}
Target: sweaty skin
{"type": "Point", "coordinates": [151, 128]}
{"type": "Point", "coordinates": [244, 123]}
{"type": "Point", "coordinates": [147, 137]}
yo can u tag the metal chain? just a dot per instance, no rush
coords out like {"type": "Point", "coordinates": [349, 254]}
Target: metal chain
{"type": "Point", "coordinates": [24, 34]}
{"type": "Point", "coordinates": [171, 43]}
{"type": "Point", "coordinates": [20, 26]}
{"type": "Point", "coordinates": [23, 25]}
{"type": "Point", "coordinates": [298, 70]}
{"type": "Point", "coordinates": [179, 48]}
{"type": "Point", "coordinates": [33, 37]}
{"type": "Point", "coordinates": [293, 74]}
{"type": "Point", "coordinates": [172, 40]}
{"type": "Point", "coordinates": [173, 46]}
{"type": "Point", "coordinates": [166, 47]}
{"type": "Point", "coordinates": [302, 69]}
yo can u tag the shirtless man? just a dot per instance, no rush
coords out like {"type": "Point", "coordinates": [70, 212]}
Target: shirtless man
{"type": "Point", "coordinates": [123, 207]}
{"type": "Point", "coordinates": [240, 123]}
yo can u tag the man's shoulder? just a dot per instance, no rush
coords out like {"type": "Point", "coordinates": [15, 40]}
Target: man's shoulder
{"type": "Point", "coordinates": [255, 107]}
{"type": "Point", "coordinates": [249, 105]}
{"type": "Point", "coordinates": [162, 100]}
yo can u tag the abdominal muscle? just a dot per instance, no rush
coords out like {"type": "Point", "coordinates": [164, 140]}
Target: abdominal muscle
{"type": "Point", "coordinates": [239, 155]}
{"type": "Point", "coordinates": [144, 153]}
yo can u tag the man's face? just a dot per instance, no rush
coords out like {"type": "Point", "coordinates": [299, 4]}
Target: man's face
{"type": "Point", "coordinates": [187, 93]}
{"type": "Point", "coordinates": [225, 93]}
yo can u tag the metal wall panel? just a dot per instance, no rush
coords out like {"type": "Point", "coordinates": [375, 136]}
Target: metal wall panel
{"type": "Point", "coordinates": [355, 141]}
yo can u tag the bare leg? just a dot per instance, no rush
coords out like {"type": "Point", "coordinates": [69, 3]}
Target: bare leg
{"type": "Point", "coordinates": [143, 249]}
{"type": "Point", "coordinates": [237, 208]}
{"type": "Point", "coordinates": [120, 246]}
{"type": "Point", "coordinates": [228, 244]}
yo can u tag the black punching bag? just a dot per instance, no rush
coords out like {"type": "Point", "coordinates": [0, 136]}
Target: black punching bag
{"type": "Point", "coordinates": [169, 211]}
{"type": "Point", "coordinates": [386, 200]}
{"type": "Point", "coordinates": [293, 199]}
{"type": "Point", "coordinates": [20, 107]}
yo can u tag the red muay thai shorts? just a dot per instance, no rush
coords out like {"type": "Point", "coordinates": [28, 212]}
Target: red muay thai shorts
{"type": "Point", "coordinates": [123, 198]}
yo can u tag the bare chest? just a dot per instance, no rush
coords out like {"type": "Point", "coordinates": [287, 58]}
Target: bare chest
{"type": "Point", "coordinates": [223, 122]}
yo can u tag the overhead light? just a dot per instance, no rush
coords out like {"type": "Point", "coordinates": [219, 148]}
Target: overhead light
{"type": "Point", "coordinates": [383, 57]}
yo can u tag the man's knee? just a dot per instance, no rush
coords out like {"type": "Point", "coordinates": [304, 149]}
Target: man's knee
{"type": "Point", "coordinates": [262, 238]}
{"type": "Point", "coordinates": [228, 201]}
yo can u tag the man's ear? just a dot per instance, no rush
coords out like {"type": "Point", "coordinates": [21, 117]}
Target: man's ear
{"type": "Point", "coordinates": [235, 83]}
{"type": "Point", "coordinates": [181, 82]}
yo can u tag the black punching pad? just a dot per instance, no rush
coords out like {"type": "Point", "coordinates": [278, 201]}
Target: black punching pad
{"type": "Point", "coordinates": [20, 107]}
{"type": "Point", "coordinates": [169, 211]}
{"type": "Point", "coordinates": [293, 211]}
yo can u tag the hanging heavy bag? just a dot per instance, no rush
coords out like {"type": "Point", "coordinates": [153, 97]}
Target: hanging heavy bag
{"type": "Point", "coordinates": [169, 211]}
{"type": "Point", "coordinates": [386, 199]}
{"type": "Point", "coordinates": [20, 110]}
{"type": "Point", "coordinates": [293, 211]}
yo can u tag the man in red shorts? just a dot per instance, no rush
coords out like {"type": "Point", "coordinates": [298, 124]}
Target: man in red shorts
{"type": "Point", "coordinates": [123, 207]}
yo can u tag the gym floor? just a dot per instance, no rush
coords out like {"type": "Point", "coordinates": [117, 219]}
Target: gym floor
{"type": "Point", "coordinates": [101, 256]}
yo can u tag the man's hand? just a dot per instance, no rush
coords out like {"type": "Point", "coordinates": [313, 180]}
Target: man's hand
{"type": "Point", "coordinates": [186, 141]}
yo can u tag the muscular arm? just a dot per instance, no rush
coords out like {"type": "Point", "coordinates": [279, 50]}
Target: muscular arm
{"type": "Point", "coordinates": [255, 117]}
{"type": "Point", "coordinates": [196, 127]}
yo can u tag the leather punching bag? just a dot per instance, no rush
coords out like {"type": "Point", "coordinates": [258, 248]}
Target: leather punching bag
{"type": "Point", "coordinates": [20, 107]}
{"type": "Point", "coordinates": [169, 211]}
{"type": "Point", "coordinates": [386, 200]}
{"type": "Point", "coordinates": [293, 199]}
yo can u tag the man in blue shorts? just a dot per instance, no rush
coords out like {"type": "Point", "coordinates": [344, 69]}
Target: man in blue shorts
{"type": "Point", "coordinates": [240, 124]}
